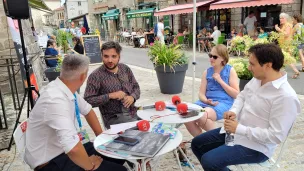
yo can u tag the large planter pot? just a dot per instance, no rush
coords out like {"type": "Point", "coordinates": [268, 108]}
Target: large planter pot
{"type": "Point", "coordinates": [51, 73]}
{"type": "Point", "coordinates": [171, 81]}
{"type": "Point", "coordinates": [243, 83]}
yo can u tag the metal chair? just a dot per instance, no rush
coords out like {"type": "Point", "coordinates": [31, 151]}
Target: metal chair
{"type": "Point", "coordinates": [271, 164]}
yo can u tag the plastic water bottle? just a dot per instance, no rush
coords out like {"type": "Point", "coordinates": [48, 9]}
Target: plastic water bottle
{"type": "Point", "coordinates": [229, 139]}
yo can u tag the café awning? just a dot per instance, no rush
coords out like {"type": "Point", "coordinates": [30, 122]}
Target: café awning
{"type": "Point", "coordinates": [224, 4]}
{"type": "Point", "coordinates": [180, 9]}
{"type": "Point", "coordinates": [39, 5]}
{"type": "Point", "coordinates": [148, 12]}
{"type": "Point", "coordinates": [111, 15]}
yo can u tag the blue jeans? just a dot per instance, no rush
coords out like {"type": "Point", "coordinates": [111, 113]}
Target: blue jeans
{"type": "Point", "coordinates": [211, 151]}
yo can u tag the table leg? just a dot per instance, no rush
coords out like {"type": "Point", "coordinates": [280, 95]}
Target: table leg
{"type": "Point", "coordinates": [177, 158]}
{"type": "Point", "coordinates": [185, 156]}
{"type": "Point", "coordinates": [136, 164]}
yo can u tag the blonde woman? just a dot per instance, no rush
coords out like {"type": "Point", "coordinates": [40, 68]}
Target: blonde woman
{"type": "Point", "coordinates": [285, 39]}
{"type": "Point", "coordinates": [219, 87]}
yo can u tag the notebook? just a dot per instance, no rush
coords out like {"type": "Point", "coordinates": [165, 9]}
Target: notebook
{"type": "Point", "coordinates": [164, 129]}
{"type": "Point", "coordinates": [149, 145]}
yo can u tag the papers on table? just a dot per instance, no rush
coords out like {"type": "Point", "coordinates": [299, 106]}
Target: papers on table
{"type": "Point", "coordinates": [122, 127]}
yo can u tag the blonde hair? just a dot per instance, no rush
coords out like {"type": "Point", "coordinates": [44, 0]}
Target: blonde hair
{"type": "Point", "coordinates": [222, 51]}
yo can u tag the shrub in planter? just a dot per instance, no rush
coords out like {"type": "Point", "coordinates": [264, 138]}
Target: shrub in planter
{"type": "Point", "coordinates": [170, 65]}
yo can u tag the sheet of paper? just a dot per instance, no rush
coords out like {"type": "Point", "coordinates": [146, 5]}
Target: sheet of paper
{"type": "Point", "coordinates": [222, 131]}
{"type": "Point", "coordinates": [122, 127]}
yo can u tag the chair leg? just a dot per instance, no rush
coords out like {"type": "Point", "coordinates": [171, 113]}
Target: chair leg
{"type": "Point", "coordinates": [177, 158]}
{"type": "Point", "coordinates": [186, 158]}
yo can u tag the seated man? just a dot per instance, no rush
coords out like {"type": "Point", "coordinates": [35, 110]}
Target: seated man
{"type": "Point", "coordinates": [113, 88]}
{"type": "Point", "coordinates": [265, 111]}
{"type": "Point", "coordinates": [215, 36]}
{"type": "Point", "coordinates": [54, 126]}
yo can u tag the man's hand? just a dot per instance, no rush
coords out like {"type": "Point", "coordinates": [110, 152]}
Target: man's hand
{"type": "Point", "coordinates": [212, 103]}
{"type": "Point", "coordinates": [229, 115]}
{"type": "Point", "coordinates": [277, 27]}
{"type": "Point", "coordinates": [230, 125]}
{"type": "Point", "coordinates": [217, 77]}
{"type": "Point", "coordinates": [128, 101]}
{"type": "Point", "coordinates": [96, 160]}
{"type": "Point", "coordinates": [118, 95]}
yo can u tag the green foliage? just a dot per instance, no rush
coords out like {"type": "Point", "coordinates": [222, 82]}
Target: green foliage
{"type": "Point", "coordinates": [162, 55]}
{"type": "Point", "coordinates": [59, 63]}
{"type": "Point", "coordinates": [62, 39]}
{"type": "Point", "coordinates": [241, 67]}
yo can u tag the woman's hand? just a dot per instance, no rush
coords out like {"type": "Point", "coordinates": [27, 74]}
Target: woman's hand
{"type": "Point", "coordinates": [217, 77]}
{"type": "Point", "coordinates": [277, 28]}
{"type": "Point", "coordinates": [211, 102]}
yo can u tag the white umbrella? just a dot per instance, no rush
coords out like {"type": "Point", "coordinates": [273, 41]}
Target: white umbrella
{"type": "Point", "coordinates": [194, 49]}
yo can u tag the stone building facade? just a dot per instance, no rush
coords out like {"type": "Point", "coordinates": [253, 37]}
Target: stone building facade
{"type": "Point", "coordinates": [7, 49]}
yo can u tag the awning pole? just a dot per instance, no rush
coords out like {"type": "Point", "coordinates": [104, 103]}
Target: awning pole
{"type": "Point", "coordinates": [194, 50]}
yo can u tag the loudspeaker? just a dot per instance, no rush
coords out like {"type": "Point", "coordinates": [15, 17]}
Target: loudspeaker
{"type": "Point", "coordinates": [17, 9]}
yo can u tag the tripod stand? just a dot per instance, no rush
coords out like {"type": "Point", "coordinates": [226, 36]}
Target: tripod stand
{"type": "Point", "coordinates": [28, 90]}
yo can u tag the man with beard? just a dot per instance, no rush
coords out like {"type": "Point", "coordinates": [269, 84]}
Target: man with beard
{"type": "Point", "coordinates": [113, 87]}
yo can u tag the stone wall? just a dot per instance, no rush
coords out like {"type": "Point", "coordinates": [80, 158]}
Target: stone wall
{"type": "Point", "coordinates": [7, 48]}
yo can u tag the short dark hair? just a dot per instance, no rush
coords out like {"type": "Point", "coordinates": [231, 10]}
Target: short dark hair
{"type": "Point", "coordinates": [298, 17]}
{"type": "Point", "coordinates": [161, 19]}
{"type": "Point", "coordinates": [111, 45]}
{"type": "Point", "coordinates": [251, 12]}
{"type": "Point", "coordinates": [266, 53]}
{"type": "Point", "coordinates": [50, 42]}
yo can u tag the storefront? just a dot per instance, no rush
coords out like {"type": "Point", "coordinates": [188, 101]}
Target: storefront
{"type": "Point", "coordinates": [146, 15]}
{"type": "Point", "coordinates": [111, 22]}
{"type": "Point", "coordinates": [267, 11]}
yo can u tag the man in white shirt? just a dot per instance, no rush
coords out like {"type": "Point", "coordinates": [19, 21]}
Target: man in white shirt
{"type": "Point", "coordinates": [250, 23]}
{"type": "Point", "coordinates": [260, 118]}
{"type": "Point", "coordinates": [215, 35]}
{"type": "Point", "coordinates": [160, 31]}
{"type": "Point", "coordinates": [55, 139]}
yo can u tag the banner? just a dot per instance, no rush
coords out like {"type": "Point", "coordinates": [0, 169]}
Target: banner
{"type": "Point", "coordinates": [14, 28]}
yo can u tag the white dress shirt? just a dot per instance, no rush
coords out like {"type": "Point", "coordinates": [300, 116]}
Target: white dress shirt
{"type": "Point", "coordinates": [265, 114]}
{"type": "Point", "coordinates": [52, 125]}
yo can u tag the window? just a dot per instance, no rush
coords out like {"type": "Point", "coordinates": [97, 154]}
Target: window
{"type": "Point", "coordinates": [79, 3]}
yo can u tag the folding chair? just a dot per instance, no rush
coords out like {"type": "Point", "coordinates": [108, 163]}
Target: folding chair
{"type": "Point", "coordinates": [19, 138]}
{"type": "Point", "coordinates": [271, 164]}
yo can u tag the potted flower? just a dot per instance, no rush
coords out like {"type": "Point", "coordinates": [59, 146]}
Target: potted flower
{"type": "Point", "coordinates": [63, 39]}
{"type": "Point", "coordinates": [238, 45]}
{"type": "Point", "coordinates": [170, 65]}
{"type": "Point", "coordinates": [53, 73]}
{"type": "Point", "coordinates": [241, 67]}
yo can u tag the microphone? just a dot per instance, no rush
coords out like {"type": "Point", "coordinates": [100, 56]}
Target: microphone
{"type": "Point", "coordinates": [160, 105]}
{"type": "Point", "coordinates": [182, 108]}
{"type": "Point", "coordinates": [143, 125]}
{"type": "Point", "coordinates": [176, 100]}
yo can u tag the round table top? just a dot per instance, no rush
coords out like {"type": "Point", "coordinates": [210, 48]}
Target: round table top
{"type": "Point", "coordinates": [171, 119]}
{"type": "Point", "coordinates": [169, 146]}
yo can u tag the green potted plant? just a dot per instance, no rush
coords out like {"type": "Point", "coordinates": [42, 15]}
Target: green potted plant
{"type": "Point", "coordinates": [53, 73]}
{"type": "Point", "coordinates": [63, 39]}
{"type": "Point", "coordinates": [241, 67]}
{"type": "Point", "coordinates": [170, 65]}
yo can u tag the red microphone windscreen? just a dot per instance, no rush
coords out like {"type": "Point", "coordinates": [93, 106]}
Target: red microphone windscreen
{"type": "Point", "coordinates": [176, 100]}
{"type": "Point", "coordinates": [182, 108]}
{"type": "Point", "coordinates": [143, 125]}
{"type": "Point", "coordinates": [160, 105]}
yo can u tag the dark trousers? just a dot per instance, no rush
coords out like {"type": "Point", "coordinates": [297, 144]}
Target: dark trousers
{"type": "Point", "coordinates": [64, 163]}
{"type": "Point", "coordinates": [211, 151]}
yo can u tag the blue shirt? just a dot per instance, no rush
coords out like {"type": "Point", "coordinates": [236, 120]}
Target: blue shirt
{"type": "Point", "coordinates": [263, 35]}
{"type": "Point", "coordinates": [51, 52]}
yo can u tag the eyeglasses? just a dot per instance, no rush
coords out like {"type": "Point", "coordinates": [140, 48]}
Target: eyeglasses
{"type": "Point", "coordinates": [212, 56]}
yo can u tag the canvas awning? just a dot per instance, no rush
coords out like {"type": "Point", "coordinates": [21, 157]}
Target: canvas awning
{"type": "Point", "coordinates": [111, 14]}
{"type": "Point", "coordinates": [39, 5]}
{"type": "Point", "coordinates": [180, 9]}
{"type": "Point", "coordinates": [224, 4]}
{"type": "Point", "coordinates": [148, 12]}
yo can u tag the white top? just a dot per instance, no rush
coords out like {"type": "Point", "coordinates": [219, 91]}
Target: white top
{"type": "Point", "coordinates": [167, 118]}
{"type": "Point", "coordinates": [215, 35]}
{"type": "Point", "coordinates": [160, 28]}
{"type": "Point", "coordinates": [249, 23]}
{"type": "Point", "coordinates": [52, 125]}
{"type": "Point", "coordinates": [169, 146]}
{"type": "Point", "coordinates": [265, 114]}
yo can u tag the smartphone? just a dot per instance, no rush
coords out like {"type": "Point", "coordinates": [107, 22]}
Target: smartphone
{"type": "Point", "coordinates": [126, 140]}
{"type": "Point", "coordinates": [190, 114]}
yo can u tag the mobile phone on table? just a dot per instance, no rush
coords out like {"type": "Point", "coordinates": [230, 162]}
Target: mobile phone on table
{"type": "Point", "coordinates": [126, 140]}
{"type": "Point", "coordinates": [190, 114]}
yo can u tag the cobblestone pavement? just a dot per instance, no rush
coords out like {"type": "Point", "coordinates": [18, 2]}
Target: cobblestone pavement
{"type": "Point", "coordinates": [293, 157]}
